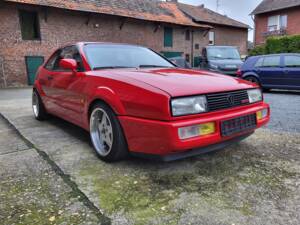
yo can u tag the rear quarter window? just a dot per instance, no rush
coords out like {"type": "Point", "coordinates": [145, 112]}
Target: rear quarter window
{"type": "Point", "coordinates": [292, 61]}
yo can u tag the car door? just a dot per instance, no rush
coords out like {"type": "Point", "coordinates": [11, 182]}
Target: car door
{"type": "Point", "coordinates": [271, 72]}
{"type": "Point", "coordinates": [292, 71]}
{"type": "Point", "coordinates": [45, 78]}
{"type": "Point", "coordinates": [66, 87]}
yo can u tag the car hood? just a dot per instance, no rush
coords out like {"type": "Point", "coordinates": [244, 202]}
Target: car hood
{"type": "Point", "coordinates": [225, 62]}
{"type": "Point", "coordinates": [181, 82]}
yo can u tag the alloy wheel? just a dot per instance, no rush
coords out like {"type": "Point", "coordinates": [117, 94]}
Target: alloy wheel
{"type": "Point", "coordinates": [101, 132]}
{"type": "Point", "coordinates": [35, 104]}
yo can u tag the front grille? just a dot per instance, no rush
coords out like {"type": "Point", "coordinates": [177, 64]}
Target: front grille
{"type": "Point", "coordinates": [238, 125]}
{"type": "Point", "coordinates": [227, 100]}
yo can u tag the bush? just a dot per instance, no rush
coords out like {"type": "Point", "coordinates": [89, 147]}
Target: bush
{"type": "Point", "coordinates": [285, 44]}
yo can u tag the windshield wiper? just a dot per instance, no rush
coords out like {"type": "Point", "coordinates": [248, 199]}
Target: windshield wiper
{"type": "Point", "coordinates": [154, 66]}
{"type": "Point", "coordinates": [111, 67]}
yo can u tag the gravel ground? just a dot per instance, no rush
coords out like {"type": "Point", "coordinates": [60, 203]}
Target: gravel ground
{"type": "Point", "coordinates": [254, 182]}
{"type": "Point", "coordinates": [285, 106]}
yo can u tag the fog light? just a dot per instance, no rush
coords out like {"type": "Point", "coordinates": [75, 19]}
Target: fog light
{"type": "Point", "coordinates": [196, 130]}
{"type": "Point", "coordinates": [262, 114]}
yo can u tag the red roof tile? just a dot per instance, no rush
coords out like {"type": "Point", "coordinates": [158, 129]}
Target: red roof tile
{"type": "Point", "coordinates": [149, 10]}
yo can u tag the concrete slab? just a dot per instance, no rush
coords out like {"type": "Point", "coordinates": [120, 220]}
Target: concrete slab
{"type": "Point", "coordinates": [254, 182]}
{"type": "Point", "coordinates": [31, 191]}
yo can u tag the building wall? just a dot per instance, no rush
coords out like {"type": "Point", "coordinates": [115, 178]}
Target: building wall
{"type": "Point", "coordinates": [261, 23]}
{"type": "Point", "coordinates": [61, 27]}
{"type": "Point", "coordinates": [231, 36]}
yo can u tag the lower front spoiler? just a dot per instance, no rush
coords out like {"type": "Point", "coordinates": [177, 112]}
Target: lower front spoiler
{"type": "Point", "coordinates": [192, 152]}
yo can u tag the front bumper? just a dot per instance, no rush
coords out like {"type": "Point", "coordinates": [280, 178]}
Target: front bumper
{"type": "Point", "coordinates": [161, 138]}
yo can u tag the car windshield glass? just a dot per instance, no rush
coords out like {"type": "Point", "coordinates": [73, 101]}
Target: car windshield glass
{"type": "Point", "coordinates": [223, 53]}
{"type": "Point", "coordinates": [102, 56]}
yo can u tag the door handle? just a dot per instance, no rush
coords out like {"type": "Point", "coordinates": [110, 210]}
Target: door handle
{"type": "Point", "coordinates": [50, 78]}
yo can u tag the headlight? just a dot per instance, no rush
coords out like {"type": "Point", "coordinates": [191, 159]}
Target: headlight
{"type": "Point", "coordinates": [189, 105]}
{"type": "Point", "coordinates": [254, 95]}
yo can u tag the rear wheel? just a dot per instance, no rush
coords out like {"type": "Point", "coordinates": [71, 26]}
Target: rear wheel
{"type": "Point", "coordinates": [38, 108]}
{"type": "Point", "coordinates": [106, 134]}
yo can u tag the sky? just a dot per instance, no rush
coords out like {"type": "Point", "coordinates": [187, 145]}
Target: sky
{"type": "Point", "coordinates": [236, 9]}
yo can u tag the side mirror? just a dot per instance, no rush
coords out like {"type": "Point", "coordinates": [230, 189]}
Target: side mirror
{"type": "Point", "coordinates": [68, 64]}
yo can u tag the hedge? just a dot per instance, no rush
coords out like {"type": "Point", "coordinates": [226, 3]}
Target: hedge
{"type": "Point", "coordinates": [285, 44]}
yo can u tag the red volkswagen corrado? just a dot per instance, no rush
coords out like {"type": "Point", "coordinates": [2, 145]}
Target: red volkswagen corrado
{"type": "Point", "coordinates": [132, 100]}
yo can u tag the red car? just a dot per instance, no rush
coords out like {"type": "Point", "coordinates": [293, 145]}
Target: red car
{"type": "Point", "coordinates": [132, 100]}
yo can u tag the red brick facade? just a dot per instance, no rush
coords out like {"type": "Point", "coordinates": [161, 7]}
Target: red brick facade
{"type": "Point", "coordinates": [261, 23]}
{"type": "Point", "coordinates": [60, 27]}
{"type": "Point", "coordinates": [232, 36]}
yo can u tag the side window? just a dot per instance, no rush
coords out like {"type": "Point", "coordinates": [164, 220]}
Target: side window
{"type": "Point", "coordinates": [272, 61]}
{"type": "Point", "coordinates": [70, 52]}
{"type": "Point", "coordinates": [259, 62]}
{"type": "Point", "coordinates": [73, 53]}
{"type": "Point", "coordinates": [292, 61]}
{"type": "Point", "coordinates": [50, 65]}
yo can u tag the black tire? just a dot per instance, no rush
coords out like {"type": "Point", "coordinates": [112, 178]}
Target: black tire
{"type": "Point", "coordinates": [118, 150]}
{"type": "Point", "coordinates": [253, 80]}
{"type": "Point", "coordinates": [38, 107]}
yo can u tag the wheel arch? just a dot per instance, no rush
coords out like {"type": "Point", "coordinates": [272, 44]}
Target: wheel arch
{"type": "Point", "coordinates": [251, 75]}
{"type": "Point", "coordinates": [107, 97]}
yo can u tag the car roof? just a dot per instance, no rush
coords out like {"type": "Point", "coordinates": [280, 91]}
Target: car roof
{"type": "Point", "coordinates": [279, 54]}
{"type": "Point", "coordinates": [107, 43]}
{"type": "Point", "coordinates": [220, 46]}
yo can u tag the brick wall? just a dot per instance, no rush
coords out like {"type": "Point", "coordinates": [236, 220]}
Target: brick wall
{"type": "Point", "coordinates": [60, 27]}
{"type": "Point", "coordinates": [261, 23]}
{"type": "Point", "coordinates": [232, 36]}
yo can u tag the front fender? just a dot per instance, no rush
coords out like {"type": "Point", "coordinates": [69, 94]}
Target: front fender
{"type": "Point", "coordinates": [251, 74]}
{"type": "Point", "coordinates": [108, 96]}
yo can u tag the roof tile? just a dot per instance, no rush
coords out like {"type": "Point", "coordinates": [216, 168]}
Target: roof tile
{"type": "Point", "coordinates": [150, 10]}
{"type": "Point", "coordinates": [273, 5]}
{"type": "Point", "coordinates": [204, 15]}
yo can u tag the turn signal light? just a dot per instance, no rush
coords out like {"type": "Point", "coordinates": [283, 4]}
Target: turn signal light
{"type": "Point", "coordinates": [262, 114]}
{"type": "Point", "coordinates": [196, 130]}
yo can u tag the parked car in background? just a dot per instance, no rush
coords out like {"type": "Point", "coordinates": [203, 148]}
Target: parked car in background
{"type": "Point", "coordinates": [280, 71]}
{"type": "Point", "coordinates": [132, 100]}
{"type": "Point", "coordinates": [221, 59]}
{"type": "Point", "coordinates": [180, 62]}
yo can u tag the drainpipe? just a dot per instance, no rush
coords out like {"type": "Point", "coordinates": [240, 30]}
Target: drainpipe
{"type": "Point", "coordinates": [192, 49]}
{"type": "Point", "coordinates": [3, 72]}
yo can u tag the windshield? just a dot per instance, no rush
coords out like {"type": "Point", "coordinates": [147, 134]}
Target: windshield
{"type": "Point", "coordinates": [102, 56]}
{"type": "Point", "coordinates": [223, 53]}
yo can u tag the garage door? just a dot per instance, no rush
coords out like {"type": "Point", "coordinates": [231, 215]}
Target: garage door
{"type": "Point", "coordinates": [32, 65]}
{"type": "Point", "coordinates": [171, 54]}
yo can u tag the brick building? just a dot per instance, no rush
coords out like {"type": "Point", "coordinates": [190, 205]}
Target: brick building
{"type": "Point", "coordinates": [225, 31]}
{"type": "Point", "coordinates": [30, 30]}
{"type": "Point", "coordinates": [276, 18]}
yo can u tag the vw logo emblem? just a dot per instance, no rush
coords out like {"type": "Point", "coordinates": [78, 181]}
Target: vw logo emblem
{"type": "Point", "coordinates": [230, 99]}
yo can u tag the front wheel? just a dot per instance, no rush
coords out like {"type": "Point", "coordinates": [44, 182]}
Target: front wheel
{"type": "Point", "coordinates": [106, 134]}
{"type": "Point", "coordinates": [253, 80]}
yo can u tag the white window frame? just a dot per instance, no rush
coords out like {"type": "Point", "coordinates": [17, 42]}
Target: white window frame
{"type": "Point", "coordinates": [275, 22]}
{"type": "Point", "coordinates": [211, 38]}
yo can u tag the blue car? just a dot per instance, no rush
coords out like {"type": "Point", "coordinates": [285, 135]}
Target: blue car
{"type": "Point", "coordinates": [280, 71]}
